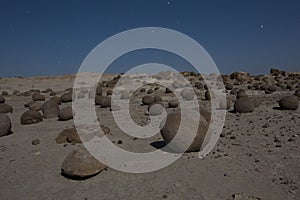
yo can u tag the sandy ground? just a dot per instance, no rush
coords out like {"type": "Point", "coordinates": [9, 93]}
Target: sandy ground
{"type": "Point", "coordinates": [246, 163]}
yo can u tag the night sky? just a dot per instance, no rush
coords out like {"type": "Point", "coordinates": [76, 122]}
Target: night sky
{"type": "Point", "coordinates": [54, 37]}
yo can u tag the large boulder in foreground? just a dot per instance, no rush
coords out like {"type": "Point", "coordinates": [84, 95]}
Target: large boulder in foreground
{"type": "Point", "coordinates": [171, 127]}
{"type": "Point", "coordinates": [5, 125]}
{"type": "Point", "coordinates": [50, 109]}
{"type": "Point", "coordinates": [31, 117]}
{"type": "Point", "coordinates": [5, 108]}
{"type": "Point", "coordinates": [80, 164]}
{"type": "Point", "coordinates": [244, 105]}
{"type": "Point", "coordinates": [289, 103]}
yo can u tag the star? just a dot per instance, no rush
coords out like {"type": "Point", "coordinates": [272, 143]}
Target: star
{"type": "Point", "coordinates": [168, 2]}
{"type": "Point", "coordinates": [262, 26]}
{"type": "Point", "coordinates": [27, 12]}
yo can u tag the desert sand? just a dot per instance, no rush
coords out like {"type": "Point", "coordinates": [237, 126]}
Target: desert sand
{"type": "Point", "coordinates": [256, 157]}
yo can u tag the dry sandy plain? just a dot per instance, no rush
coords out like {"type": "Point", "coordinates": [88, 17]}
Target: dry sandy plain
{"type": "Point", "coordinates": [256, 157]}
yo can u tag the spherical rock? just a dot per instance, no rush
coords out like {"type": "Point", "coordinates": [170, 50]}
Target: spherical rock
{"type": "Point", "coordinates": [175, 85]}
{"type": "Point", "coordinates": [2, 99]}
{"type": "Point", "coordinates": [155, 109]}
{"type": "Point", "coordinates": [264, 87]}
{"type": "Point", "coordinates": [241, 93]}
{"type": "Point", "coordinates": [57, 99]}
{"type": "Point", "coordinates": [52, 93]}
{"type": "Point", "coordinates": [26, 105]}
{"type": "Point", "coordinates": [80, 164]}
{"type": "Point", "coordinates": [35, 106]}
{"type": "Point", "coordinates": [168, 90]}
{"type": "Point", "coordinates": [244, 105]}
{"type": "Point", "coordinates": [4, 93]}
{"type": "Point", "coordinates": [147, 100]}
{"type": "Point", "coordinates": [157, 98]}
{"type": "Point", "coordinates": [150, 91]}
{"type": "Point", "coordinates": [234, 91]}
{"type": "Point", "coordinates": [272, 88]}
{"type": "Point", "coordinates": [173, 103]}
{"type": "Point", "coordinates": [5, 108]}
{"type": "Point", "coordinates": [187, 94]}
{"type": "Point", "coordinates": [229, 86]}
{"type": "Point", "coordinates": [5, 125]}
{"type": "Point", "coordinates": [289, 103]}
{"type": "Point", "coordinates": [69, 135]}
{"type": "Point", "coordinates": [50, 109]}
{"type": "Point", "coordinates": [31, 117]}
{"type": "Point", "coordinates": [99, 90]}
{"type": "Point", "coordinates": [103, 101]}
{"type": "Point", "coordinates": [38, 97]}
{"type": "Point", "coordinates": [66, 97]}
{"type": "Point", "coordinates": [171, 127]}
{"type": "Point", "coordinates": [208, 95]}
{"type": "Point", "coordinates": [65, 114]}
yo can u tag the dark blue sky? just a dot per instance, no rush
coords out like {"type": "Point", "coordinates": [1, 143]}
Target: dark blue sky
{"type": "Point", "coordinates": [53, 37]}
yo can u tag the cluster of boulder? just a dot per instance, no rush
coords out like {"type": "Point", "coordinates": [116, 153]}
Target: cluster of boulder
{"type": "Point", "coordinates": [48, 109]}
{"type": "Point", "coordinates": [238, 86]}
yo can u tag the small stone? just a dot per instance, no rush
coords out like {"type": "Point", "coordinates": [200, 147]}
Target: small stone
{"type": "Point", "coordinates": [120, 142]}
{"type": "Point", "coordinates": [232, 137]}
{"type": "Point", "coordinates": [35, 142]}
